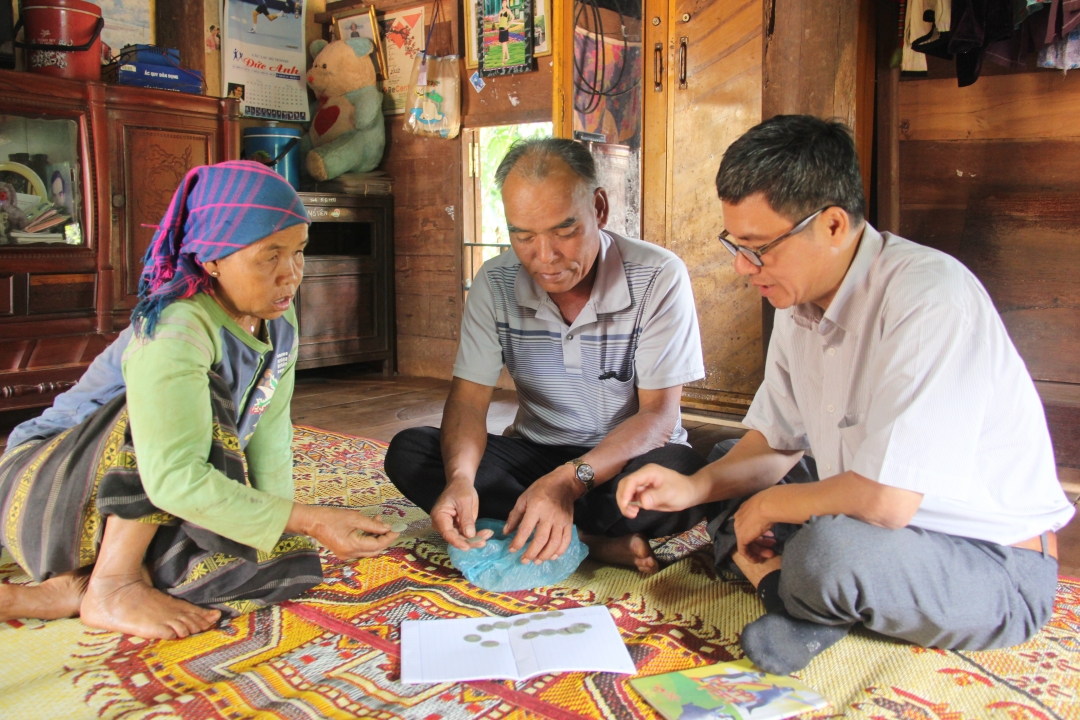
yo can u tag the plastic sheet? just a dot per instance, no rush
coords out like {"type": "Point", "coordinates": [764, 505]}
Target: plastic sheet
{"type": "Point", "coordinates": [494, 567]}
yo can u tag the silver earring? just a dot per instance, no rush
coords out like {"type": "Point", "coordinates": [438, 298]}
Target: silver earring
{"type": "Point", "coordinates": [213, 274]}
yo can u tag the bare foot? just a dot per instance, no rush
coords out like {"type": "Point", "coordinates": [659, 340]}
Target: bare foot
{"type": "Point", "coordinates": [129, 604]}
{"type": "Point", "coordinates": [753, 571]}
{"type": "Point", "coordinates": [629, 550]}
{"type": "Point", "coordinates": [56, 598]}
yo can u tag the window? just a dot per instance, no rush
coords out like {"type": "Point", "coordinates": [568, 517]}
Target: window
{"type": "Point", "coordinates": [485, 224]}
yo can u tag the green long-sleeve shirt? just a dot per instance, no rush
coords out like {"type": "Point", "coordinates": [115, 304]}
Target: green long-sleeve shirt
{"type": "Point", "coordinates": [168, 399]}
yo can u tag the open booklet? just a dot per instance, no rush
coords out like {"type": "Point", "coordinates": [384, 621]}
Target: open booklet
{"type": "Point", "coordinates": [727, 691]}
{"type": "Point", "coordinates": [515, 647]}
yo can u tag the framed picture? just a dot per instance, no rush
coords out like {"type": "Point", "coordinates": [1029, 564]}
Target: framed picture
{"type": "Point", "coordinates": [403, 38]}
{"type": "Point", "coordinates": [361, 23]}
{"type": "Point", "coordinates": [504, 37]}
{"type": "Point", "coordinates": [471, 8]}
{"type": "Point", "coordinates": [541, 30]}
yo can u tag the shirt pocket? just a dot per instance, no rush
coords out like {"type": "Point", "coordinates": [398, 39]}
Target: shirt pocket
{"type": "Point", "coordinates": [852, 435]}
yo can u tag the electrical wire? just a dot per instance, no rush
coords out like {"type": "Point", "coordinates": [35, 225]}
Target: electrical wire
{"type": "Point", "coordinates": [594, 89]}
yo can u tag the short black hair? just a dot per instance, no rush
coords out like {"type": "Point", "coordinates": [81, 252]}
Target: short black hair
{"type": "Point", "coordinates": [535, 155]}
{"type": "Point", "coordinates": [800, 163]}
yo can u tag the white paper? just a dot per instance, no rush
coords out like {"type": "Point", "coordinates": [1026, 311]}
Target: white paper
{"type": "Point", "coordinates": [434, 651]}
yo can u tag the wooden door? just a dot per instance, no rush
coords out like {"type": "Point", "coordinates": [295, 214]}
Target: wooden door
{"type": "Point", "coordinates": [705, 82]}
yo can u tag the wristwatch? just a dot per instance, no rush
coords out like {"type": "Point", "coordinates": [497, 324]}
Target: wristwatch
{"type": "Point", "coordinates": [583, 471]}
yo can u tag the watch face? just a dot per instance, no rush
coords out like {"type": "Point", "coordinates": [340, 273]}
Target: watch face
{"type": "Point", "coordinates": [585, 472]}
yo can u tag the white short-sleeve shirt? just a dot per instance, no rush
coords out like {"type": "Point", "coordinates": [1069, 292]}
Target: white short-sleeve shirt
{"type": "Point", "coordinates": [910, 379]}
{"type": "Point", "coordinates": [576, 382]}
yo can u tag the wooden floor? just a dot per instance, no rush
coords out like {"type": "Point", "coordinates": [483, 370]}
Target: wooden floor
{"type": "Point", "coordinates": [378, 407]}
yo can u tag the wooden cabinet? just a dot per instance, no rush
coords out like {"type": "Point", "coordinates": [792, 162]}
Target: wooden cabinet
{"type": "Point", "coordinates": [700, 86]}
{"type": "Point", "coordinates": [710, 70]}
{"type": "Point", "coordinates": [61, 303]}
{"type": "Point", "coordinates": [707, 94]}
{"type": "Point", "coordinates": [346, 303]}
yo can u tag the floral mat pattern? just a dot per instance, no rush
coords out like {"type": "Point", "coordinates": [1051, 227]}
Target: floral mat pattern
{"type": "Point", "coordinates": [333, 653]}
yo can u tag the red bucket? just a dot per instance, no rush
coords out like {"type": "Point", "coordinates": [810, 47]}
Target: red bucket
{"type": "Point", "coordinates": [70, 24]}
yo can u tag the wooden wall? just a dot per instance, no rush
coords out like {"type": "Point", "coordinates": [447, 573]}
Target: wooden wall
{"type": "Point", "coordinates": [989, 174]}
{"type": "Point", "coordinates": [428, 226]}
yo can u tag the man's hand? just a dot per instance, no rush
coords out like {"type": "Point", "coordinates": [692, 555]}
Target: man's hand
{"type": "Point", "coordinates": [349, 534]}
{"type": "Point", "coordinates": [752, 528]}
{"type": "Point", "coordinates": [454, 516]}
{"type": "Point", "coordinates": [547, 508]}
{"type": "Point", "coordinates": [655, 487]}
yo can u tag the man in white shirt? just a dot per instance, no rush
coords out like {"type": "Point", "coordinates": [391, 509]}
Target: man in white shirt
{"type": "Point", "coordinates": [934, 519]}
{"type": "Point", "coordinates": [599, 333]}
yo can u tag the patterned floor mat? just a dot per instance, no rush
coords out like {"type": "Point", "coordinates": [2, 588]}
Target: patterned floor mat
{"type": "Point", "coordinates": [333, 654]}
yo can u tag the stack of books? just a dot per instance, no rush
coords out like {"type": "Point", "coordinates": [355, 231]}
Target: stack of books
{"type": "Point", "coordinates": [42, 218]}
{"type": "Point", "coordinates": [369, 183]}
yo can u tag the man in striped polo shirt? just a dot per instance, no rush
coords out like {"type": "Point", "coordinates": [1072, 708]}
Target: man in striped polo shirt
{"type": "Point", "coordinates": [599, 333]}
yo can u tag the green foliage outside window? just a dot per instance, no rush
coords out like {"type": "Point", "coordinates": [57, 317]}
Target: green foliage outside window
{"type": "Point", "coordinates": [494, 143]}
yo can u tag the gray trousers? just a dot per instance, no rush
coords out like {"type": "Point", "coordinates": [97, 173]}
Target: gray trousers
{"type": "Point", "coordinates": [928, 588]}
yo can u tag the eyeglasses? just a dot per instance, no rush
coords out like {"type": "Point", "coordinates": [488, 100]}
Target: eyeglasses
{"type": "Point", "coordinates": [754, 256]}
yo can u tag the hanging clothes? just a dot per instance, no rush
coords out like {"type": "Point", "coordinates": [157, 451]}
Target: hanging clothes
{"type": "Point", "coordinates": [937, 15]}
{"type": "Point", "coordinates": [1063, 54]}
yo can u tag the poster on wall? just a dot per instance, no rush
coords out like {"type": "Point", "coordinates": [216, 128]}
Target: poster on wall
{"type": "Point", "coordinates": [127, 22]}
{"type": "Point", "coordinates": [212, 32]}
{"type": "Point", "coordinates": [263, 55]}
{"type": "Point", "coordinates": [402, 39]}
{"type": "Point", "coordinates": [504, 33]}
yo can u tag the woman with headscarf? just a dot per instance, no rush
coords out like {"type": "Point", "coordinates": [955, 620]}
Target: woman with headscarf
{"type": "Point", "coordinates": [156, 495]}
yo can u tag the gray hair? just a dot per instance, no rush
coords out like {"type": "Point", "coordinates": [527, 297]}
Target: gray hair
{"type": "Point", "coordinates": [534, 158]}
{"type": "Point", "coordinates": [800, 163]}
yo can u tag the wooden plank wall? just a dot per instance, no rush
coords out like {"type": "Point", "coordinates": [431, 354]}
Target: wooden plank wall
{"type": "Point", "coordinates": [427, 176]}
{"type": "Point", "coordinates": [989, 174]}
{"type": "Point", "coordinates": [428, 226]}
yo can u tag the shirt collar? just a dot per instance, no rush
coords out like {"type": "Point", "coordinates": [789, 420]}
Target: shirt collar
{"type": "Point", "coordinates": [848, 306]}
{"type": "Point", "coordinates": [610, 290]}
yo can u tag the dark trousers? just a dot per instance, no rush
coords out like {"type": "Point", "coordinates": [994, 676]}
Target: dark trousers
{"type": "Point", "coordinates": [510, 465]}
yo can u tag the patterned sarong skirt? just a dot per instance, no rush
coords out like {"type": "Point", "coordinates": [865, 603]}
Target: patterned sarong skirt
{"type": "Point", "coordinates": [56, 493]}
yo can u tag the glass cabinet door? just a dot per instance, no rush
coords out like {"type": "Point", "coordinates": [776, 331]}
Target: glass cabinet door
{"type": "Point", "coordinates": [41, 192]}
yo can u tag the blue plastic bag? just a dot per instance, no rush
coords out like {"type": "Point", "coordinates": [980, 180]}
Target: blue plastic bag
{"type": "Point", "coordinates": [494, 567]}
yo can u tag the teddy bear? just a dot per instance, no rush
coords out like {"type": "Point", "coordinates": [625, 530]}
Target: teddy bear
{"type": "Point", "coordinates": [347, 132]}
{"type": "Point", "coordinates": [11, 217]}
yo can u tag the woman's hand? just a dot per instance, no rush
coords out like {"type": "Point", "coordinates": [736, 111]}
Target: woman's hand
{"type": "Point", "coordinates": [347, 533]}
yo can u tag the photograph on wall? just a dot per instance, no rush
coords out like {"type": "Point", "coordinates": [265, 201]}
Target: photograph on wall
{"type": "Point", "coordinates": [264, 58]}
{"type": "Point", "coordinates": [402, 39]}
{"type": "Point", "coordinates": [505, 37]}
{"type": "Point", "coordinates": [127, 22]}
{"type": "Point", "coordinates": [361, 23]}
{"type": "Point", "coordinates": [212, 75]}
{"type": "Point", "coordinates": [541, 29]}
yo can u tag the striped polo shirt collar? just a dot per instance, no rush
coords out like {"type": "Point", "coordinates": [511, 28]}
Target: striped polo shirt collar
{"type": "Point", "coordinates": [610, 291]}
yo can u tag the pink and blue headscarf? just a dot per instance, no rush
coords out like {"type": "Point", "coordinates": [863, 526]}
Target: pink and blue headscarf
{"type": "Point", "coordinates": [217, 210]}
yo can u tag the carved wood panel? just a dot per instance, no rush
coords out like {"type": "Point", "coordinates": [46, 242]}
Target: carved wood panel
{"type": "Point", "coordinates": [155, 161]}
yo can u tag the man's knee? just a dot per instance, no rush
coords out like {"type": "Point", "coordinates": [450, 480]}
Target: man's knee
{"type": "Point", "coordinates": [410, 450]}
{"type": "Point", "coordinates": [822, 561]}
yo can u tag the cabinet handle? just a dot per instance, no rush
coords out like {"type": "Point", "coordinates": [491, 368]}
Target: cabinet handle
{"type": "Point", "coordinates": [118, 200]}
{"type": "Point", "coordinates": [658, 67]}
{"type": "Point", "coordinates": [682, 62]}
